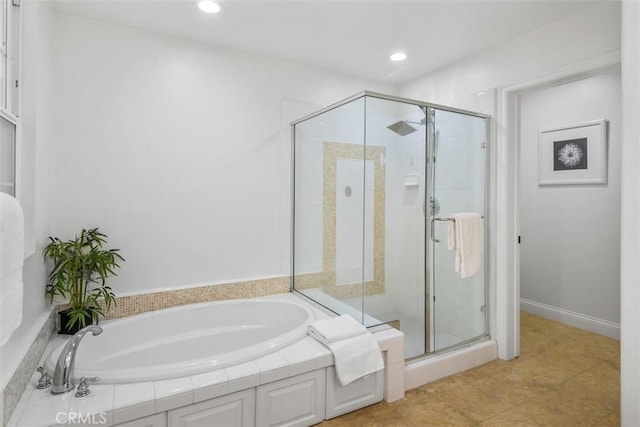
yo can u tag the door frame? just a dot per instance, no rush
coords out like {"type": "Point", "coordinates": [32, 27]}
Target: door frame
{"type": "Point", "coordinates": [506, 157]}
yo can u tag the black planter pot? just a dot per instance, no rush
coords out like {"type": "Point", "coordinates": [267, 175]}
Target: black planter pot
{"type": "Point", "coordinates": [64, 319]}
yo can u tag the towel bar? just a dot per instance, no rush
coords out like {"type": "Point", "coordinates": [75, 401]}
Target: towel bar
{"type": "Point", "coordinates": [447, 218]}
{"type": "Point", "coordinates": [434, 219]}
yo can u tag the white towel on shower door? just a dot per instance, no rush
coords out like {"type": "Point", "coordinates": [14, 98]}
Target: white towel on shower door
{"type": "Point", "coordinates": [465, 238]}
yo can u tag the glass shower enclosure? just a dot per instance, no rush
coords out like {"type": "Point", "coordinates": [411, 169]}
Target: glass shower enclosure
{"type": "Point", "coordinates": [376, 180]}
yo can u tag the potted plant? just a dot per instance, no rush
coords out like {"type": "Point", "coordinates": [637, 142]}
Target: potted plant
{"type": "Point", "coordinates": [80, 269]}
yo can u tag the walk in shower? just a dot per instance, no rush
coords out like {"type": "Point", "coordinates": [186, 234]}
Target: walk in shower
{"type": "Point", "coordinates": [376, 180]}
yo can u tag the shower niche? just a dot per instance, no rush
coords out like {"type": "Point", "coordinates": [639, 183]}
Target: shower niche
{"type": "Point", "coordinates": [375, 178]}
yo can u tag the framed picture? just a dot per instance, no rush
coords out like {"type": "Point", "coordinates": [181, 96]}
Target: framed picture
{"type": "Point", "coordinates": [574, 154]}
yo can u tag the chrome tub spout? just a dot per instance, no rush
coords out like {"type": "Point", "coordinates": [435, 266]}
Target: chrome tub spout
{"type": "Point", "coordinates": [63, 376]}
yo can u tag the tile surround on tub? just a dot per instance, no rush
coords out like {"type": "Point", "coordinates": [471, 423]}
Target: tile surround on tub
{"type": "Point", "coordinates": [210, 385]}
{"type": "Point", "coordinates": [136, 304]}
{"type": "Point", "coordinates": [272, 367]}
{"type": "Point", "coordinates": [391, 342]}
{"type": "Point", "coordinates": [20, 378]}
{"type": "Point", "coordinates": [174, 387]}
{"type": "Point", "coordinates": [243, 376]}
{"type": "Point", "coordinates": [121, 403]}
{"type": "Point", "coordinates": [131, 401]}
{"type": "Point", "coordinates": [130, 305]}
{"type": "Point", "coordinates": [124, 402]}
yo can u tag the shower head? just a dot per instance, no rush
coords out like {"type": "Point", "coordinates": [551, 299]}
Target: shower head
{"type": "Point", "coordinates": [402, 128]}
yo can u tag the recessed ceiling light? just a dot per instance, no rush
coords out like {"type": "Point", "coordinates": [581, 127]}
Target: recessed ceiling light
{"type": "Point", "coordinates": [209, 6]}
{"type": "Point", "coordinates": [398, 56]}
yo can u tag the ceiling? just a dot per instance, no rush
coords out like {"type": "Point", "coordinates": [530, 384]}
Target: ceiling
{"type": "Point", "coordinates": [349, 36]}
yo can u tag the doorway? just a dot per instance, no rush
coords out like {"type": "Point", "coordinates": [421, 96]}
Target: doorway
{"type": "Point", "coordinates": [569, 223]}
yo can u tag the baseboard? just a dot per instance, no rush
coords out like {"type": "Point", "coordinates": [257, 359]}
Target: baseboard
{"type": "Point", "coordinates": [582, 321]}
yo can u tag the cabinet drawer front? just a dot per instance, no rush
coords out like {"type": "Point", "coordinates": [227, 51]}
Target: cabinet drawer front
{"type": "Point", "coordinates": [157, 420]}
{"type": "Point", "coordinates": [358, 394]}
{"type": "Point", "coordinates": [292, 402]}
{"type": "Point", "coordinates": [233, 410]}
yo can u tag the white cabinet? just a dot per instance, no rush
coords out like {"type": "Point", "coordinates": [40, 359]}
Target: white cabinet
{"type": "Point", "coordinates": [299, 401]}
{"type": "Point", "coordinates": [157, 420]}
{"type": "Point", "coordinates": [295, 401]}
{"type": "Point", "coordinates": [232, 410]}
{"type": "Point", "coordinates": [355, 395]}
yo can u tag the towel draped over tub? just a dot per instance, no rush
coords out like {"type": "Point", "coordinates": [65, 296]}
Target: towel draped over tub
{"type": "Point", "coordinates": [354, 348]}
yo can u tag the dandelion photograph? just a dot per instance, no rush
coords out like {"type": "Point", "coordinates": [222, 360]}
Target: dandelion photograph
{"type": "Point", "coordinates": [574, 154]}
{"type": "Point", "coordinates": [570, 154]}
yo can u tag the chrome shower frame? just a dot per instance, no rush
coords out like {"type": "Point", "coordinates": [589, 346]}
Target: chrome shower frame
{"type": "Point", "coordinates": [431, 151]}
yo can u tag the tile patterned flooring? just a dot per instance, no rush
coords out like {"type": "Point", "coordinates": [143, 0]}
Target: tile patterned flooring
{"type": "Point", "coordinates": [564, 377]}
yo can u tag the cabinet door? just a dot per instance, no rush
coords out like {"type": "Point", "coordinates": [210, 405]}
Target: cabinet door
{"type": "Point", "coordinates": [157, 420]}
{"type": "Point", "coordinates": [232, 410]}
{"type": "Point", "coordinates": [292, 402]}
{"type": "Point", "coordinates": [358, 394]}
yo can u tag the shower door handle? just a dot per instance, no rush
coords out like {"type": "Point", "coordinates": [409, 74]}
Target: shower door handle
{"type": "Point", "coordinates": [433, 228]}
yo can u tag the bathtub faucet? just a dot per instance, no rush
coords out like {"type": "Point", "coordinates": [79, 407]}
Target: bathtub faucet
{"type": "Point", "coordinates": [63, 376]}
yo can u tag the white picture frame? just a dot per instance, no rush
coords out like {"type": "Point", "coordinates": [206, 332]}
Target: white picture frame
{"type": "Point", "coordinates": [573, 154]}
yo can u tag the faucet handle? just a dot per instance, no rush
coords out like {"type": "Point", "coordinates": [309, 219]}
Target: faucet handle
{"type": "Point", "coordinates": [45, 379]}
{"type": "Point", "coordinates": [83, 387]}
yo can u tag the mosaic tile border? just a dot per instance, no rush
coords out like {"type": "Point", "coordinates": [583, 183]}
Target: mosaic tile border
{"type": "Point", "coordinates": [136, 304]}
{"type": "Point", "coordinates": [20, 378]}
{"type": "Point", "coordinates": [332, 152]}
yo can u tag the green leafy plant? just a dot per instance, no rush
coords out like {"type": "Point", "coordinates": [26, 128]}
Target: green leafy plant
{"type": "Point", "coordinates": [80, 269]}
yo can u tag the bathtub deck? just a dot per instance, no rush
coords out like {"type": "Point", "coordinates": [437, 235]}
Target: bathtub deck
{"type": "Point", "coordinates": [119, 403]}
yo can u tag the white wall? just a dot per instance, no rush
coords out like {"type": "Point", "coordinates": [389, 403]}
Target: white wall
{"type": "Point", "coordinates": [570, 251]}
{"type": "Point", "coordinates": [178, 151]}
{"type": "Point", "coordinates": [590, 33]}
{"type": "Point", "coordinates": [37, 155]}
{"type": "Point", "coordinates": [630, 224]}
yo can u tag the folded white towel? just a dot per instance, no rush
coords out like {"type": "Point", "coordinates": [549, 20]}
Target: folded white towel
{"type": "Point", "coordinates": [356, 357]}
{"type": "Point", "coordinates": [465, 238]}
{"type": "Point", "coordinates": [355, 350]}
{"type": "Point", "coordinates": [336, 329]}
{"type": "Point", "coordinates": [11, 259]}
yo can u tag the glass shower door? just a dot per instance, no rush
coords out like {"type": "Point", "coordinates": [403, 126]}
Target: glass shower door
{"type": "Point", "coordinates": [458, 308]}
{"type": "Point", "coordinates": [376, 180]}
{"type": "Point", "coordinates": [396, 139]}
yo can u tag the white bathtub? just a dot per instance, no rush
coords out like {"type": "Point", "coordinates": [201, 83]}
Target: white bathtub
{"type": "Point", "coordinates": [187, 340]}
